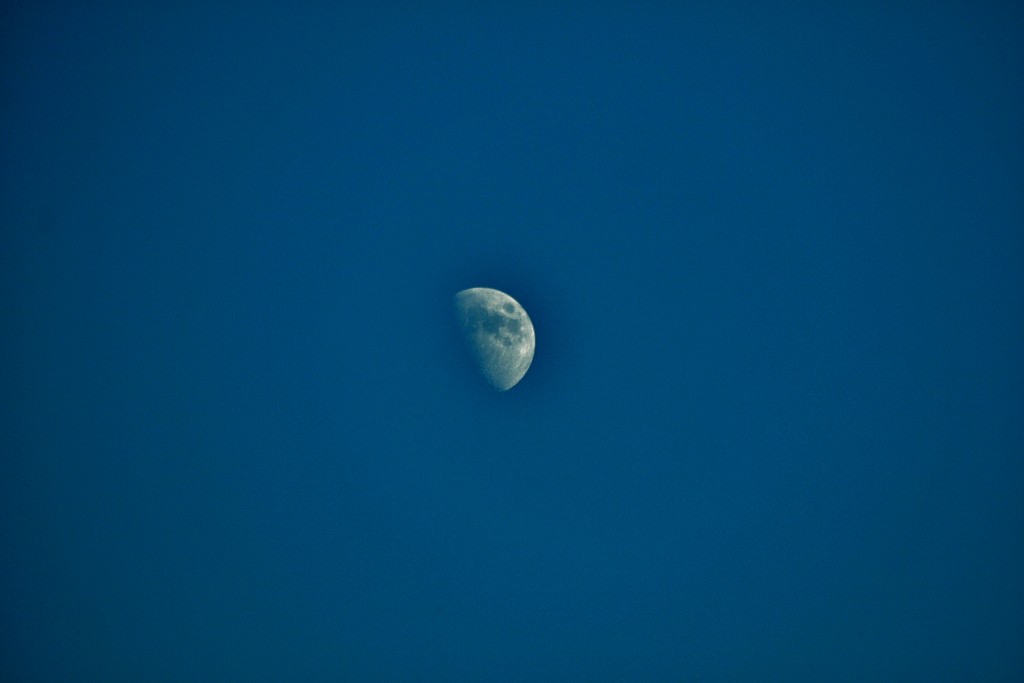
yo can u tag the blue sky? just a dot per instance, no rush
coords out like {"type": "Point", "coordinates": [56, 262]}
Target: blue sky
{"type": "Point", "coordinates": [773, 430]}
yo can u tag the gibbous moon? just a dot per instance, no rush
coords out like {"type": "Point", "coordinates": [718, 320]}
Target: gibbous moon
{"type": "Point", "coordinates": [499, 334]}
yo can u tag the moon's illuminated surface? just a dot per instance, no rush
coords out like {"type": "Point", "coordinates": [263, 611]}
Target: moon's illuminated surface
{"type": "Point", "coordinates": [499, 333]}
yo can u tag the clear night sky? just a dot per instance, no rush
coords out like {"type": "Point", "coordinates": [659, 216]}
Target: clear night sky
{"type": "Point", "coordinates": [774, 255]}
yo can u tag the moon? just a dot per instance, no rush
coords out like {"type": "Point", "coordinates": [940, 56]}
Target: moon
{"type": "Point", "coordinates": [499, 334]}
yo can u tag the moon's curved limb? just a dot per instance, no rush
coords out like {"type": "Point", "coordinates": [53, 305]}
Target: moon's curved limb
{"type": "Point", "coordinates": [499, 334]}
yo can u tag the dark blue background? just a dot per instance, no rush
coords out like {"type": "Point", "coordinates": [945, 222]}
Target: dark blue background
{"type": "Point", "coordinates": [774, 429]}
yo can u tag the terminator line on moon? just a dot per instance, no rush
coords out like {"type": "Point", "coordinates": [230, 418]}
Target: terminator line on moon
{"type": "Point", "coordinates": [499, 334]}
